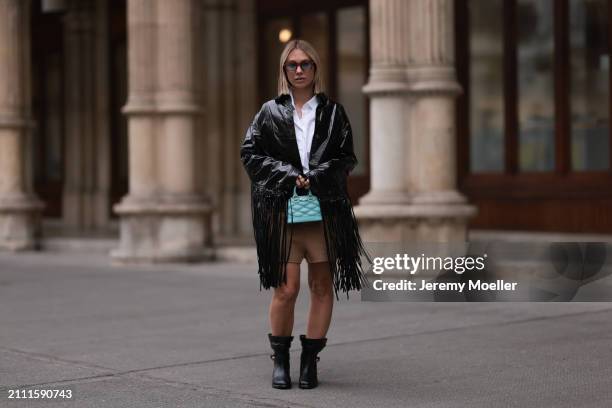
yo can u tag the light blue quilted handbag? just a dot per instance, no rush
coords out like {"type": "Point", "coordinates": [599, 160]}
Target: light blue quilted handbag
{"type": "Point", "coordinates": [304, 208]}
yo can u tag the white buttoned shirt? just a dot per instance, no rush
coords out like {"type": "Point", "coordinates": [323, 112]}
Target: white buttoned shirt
{"type": "Point", "coordinates": [304, 128]}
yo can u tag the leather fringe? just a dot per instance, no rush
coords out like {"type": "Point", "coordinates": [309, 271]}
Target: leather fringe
{"type": "Point", "coordinates": [344, 245]}
{"type": "Point", "coordinates": [269, 211]}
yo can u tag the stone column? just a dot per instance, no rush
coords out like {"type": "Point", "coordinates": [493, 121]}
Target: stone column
{"type": "Point", "coordinates": [20, 210]}
{"type": "Point", "coordinates": [140, 107]}
{"type": "Point", "coordinates": [247, 107]}
{"type": "Point", "coordinates": [387, 88]}
{"type": "Point", "coordinates": [433, 86]}
{"type": "Point", "coordinates": [164, 216]}
{"type": "Point", "coordinates": [212, 151]}
{"type": "Point", "coordinates": [87, 174]}
{"type": "Point", "coordinates": [102, 116]}
{"type": "Point", "coordinates": [231, 92]}
{"type": "Point", "coordinates": [80, 104]}
{"type": "Point", "coordinates": [414, 197]}
{"type": "Point", "coordinates": [231, 103]}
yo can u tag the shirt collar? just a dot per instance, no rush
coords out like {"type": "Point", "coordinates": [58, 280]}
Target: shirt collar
{"type": "Point", "coordinates": [311, 104]}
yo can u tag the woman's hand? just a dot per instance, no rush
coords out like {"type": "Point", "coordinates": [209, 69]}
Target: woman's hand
{"type": "Point", "coordinates": [302, 182]}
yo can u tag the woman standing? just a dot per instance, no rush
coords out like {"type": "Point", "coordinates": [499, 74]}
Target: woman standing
{"type": "Point", "coordinates": [302, 140]}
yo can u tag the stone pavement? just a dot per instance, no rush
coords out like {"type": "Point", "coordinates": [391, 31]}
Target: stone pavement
{"type": "Point", "coordinates": [196, 336]}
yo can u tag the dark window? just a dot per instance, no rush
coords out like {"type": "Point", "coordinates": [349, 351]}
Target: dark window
{"type": "Point", "coordinates": [533, 122]}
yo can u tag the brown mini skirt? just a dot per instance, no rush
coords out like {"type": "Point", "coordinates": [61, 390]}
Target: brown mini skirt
{"type": "Point", "coordinates": [308, 242]}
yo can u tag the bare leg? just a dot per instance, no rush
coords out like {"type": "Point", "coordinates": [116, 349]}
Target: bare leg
{"type": "Point", "coordinates": [321, 300]}
{"type": "Point", "coordinates": [283, 302]}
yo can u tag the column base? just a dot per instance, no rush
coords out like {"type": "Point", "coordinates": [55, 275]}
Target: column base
{"type": "Point", "coordinates": [414, 222]}
{"type": "Point", "coordinates": [375, 198]}
{"type": "Point", "coordinates": [157, 232]}
{"type": "Point", "coordinates": [437, 230]}
{"type": "Point", "coordinates": [20, 223]}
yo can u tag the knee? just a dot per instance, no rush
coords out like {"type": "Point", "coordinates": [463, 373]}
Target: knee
{"type": "Point", "coordinates": [320, 289]}
{"type": "Point", "coordinates": [286, 293]}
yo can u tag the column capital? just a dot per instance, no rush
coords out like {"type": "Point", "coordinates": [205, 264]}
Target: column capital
{"type": "Point", "coordinates": [12, 121]}
{"type": "Point", "coordinates": [376, 87]}
{"type": "Point", "coordinates": [146, 108]}
{"type": "Point", "coordinates": [432, 53]}
{"type": "Point", "coordinates": [21, 202]}
{"type": "Point", "coordinates": [389, 32]}
{"type": "Point", "coordinates": [388, 39]}
{"type": "Point", "coordinates": [433, 80]}
{"type": "Point", "coordinates": [431, 38]}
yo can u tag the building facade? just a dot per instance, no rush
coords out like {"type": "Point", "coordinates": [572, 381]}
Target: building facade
{"type": "Point", "coordinates": [126, 116]}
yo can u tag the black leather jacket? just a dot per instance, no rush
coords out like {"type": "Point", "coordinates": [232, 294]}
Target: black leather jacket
{"type": "Point", "coordinates": [271, 158]}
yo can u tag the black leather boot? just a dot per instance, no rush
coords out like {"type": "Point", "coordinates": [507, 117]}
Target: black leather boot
{"type": "Point", "coordinates": [308, 360]}
{"type": "Point", "coordinates": [280, 375]}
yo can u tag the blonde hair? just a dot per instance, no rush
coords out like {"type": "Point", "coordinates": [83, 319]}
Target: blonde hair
{"type": "Point", "coordinates": [283, 83]}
